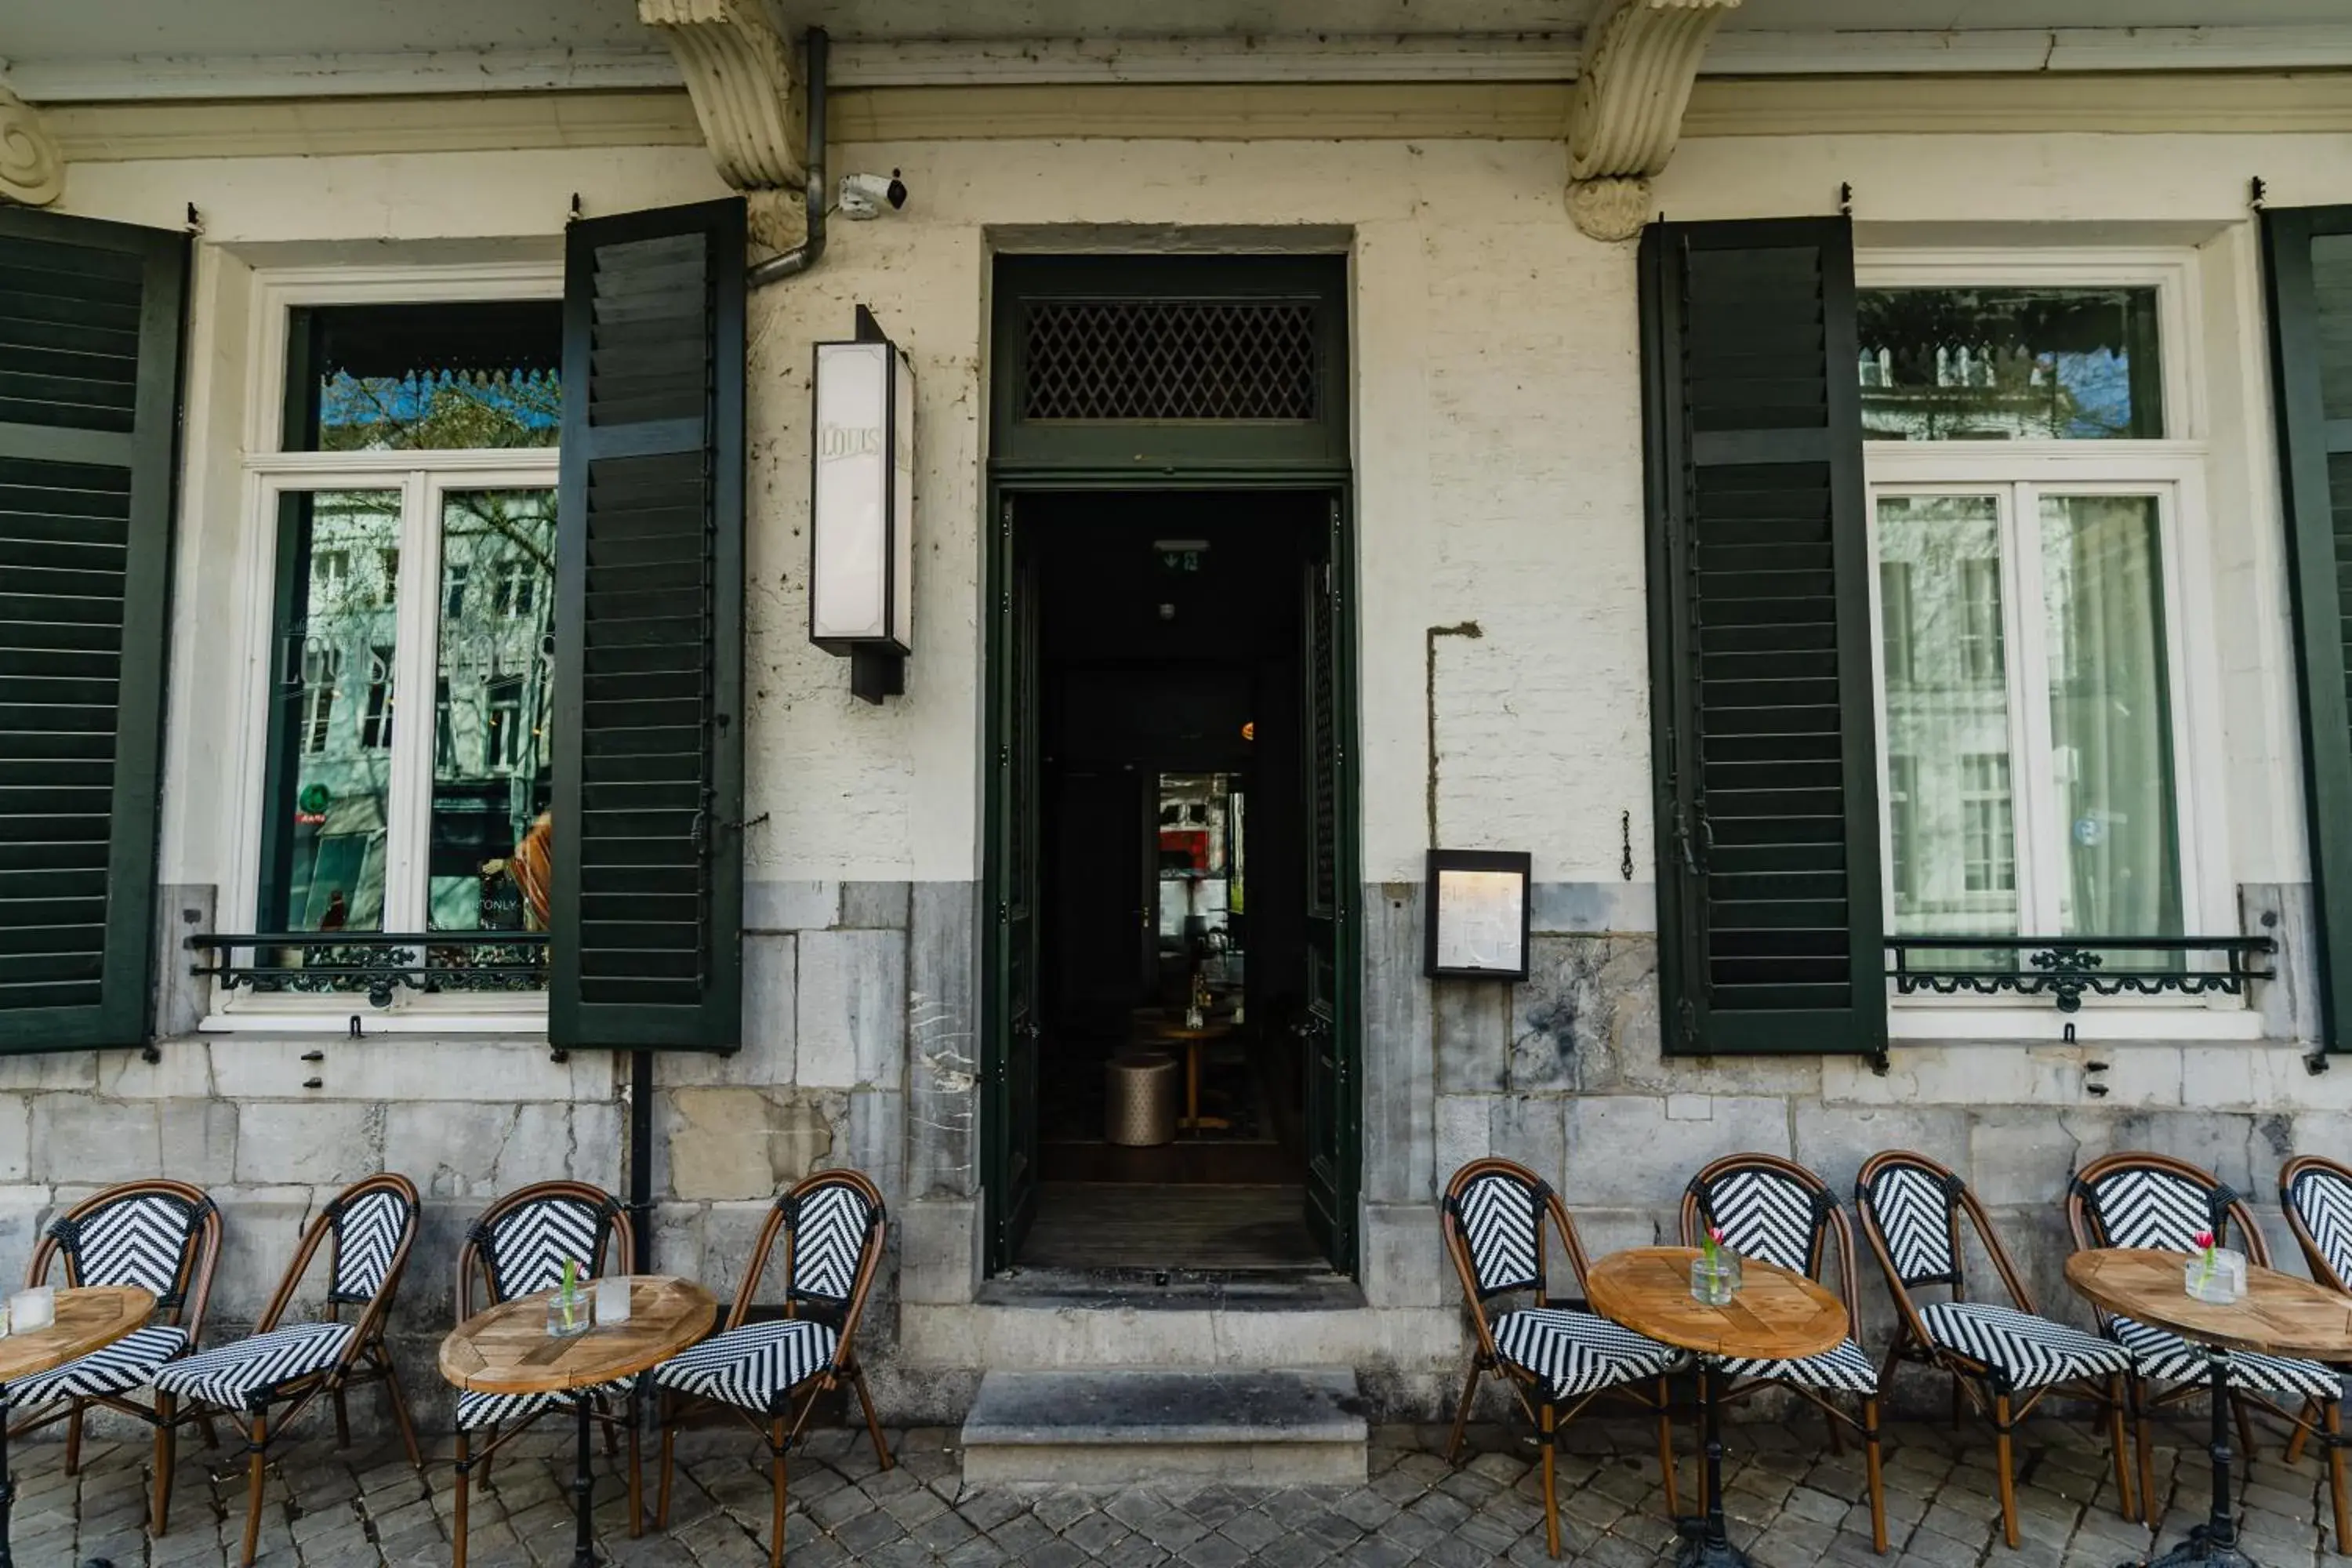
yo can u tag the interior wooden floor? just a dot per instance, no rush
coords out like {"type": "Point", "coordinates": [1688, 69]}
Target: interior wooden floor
{"type": "Point", "coordinates": [1105, 1224]}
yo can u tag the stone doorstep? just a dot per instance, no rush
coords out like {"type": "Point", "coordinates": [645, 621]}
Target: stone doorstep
{"type": "Point", "coordinates": [1119, 1426]}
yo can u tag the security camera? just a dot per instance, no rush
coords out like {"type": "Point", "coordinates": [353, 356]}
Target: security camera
{"type": "Point", "coordinates": [863, 195]}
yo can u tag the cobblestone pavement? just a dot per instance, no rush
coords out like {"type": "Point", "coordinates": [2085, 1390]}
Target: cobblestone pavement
{"type": "Point", "coordinates": [1791, 1503]}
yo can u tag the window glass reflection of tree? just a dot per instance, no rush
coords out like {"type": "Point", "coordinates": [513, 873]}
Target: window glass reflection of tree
{"type": "Point", "coordinates": [493, 776]}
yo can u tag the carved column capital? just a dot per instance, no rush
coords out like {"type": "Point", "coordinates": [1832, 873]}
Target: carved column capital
{"type": "Point", "coordinates": [739, 71]}
{"type": "Point", "coordinates": [32, 170]}
{"type": "Point", "coordinates": [1640, 60]}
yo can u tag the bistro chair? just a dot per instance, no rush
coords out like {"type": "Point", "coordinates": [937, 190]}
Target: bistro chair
{"type": "Point", "coordinates": [2154, 1201]}
{"type": "Point", "coordinates": [1781, 1213]}
{"type": "Point", "coordinates": [159, 1237]}
{"type": "Point", "coordinates": [517, 1247]}
{"type": "Point", "coordinates": [2317, 1193]}
{"type": "Point", "coordinates": [367, 1230]}
{"type": "Point", "coordinates": [2005, 1359]}
{"type": "Point", "coordinates": [1500, 1221]}
{"type": "Point", "coordinates": [833, 1225]}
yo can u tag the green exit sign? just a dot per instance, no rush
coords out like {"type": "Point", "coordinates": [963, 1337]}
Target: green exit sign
{"type": "Point", "coordinates": [1180, 557]}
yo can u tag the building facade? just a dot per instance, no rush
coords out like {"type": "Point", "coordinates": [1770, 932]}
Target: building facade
{"type": "Point", "coordinates": [1886, 498]}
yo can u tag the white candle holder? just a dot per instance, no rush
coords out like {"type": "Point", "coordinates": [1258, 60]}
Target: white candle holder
{"type": "Point", "coordinates": [611, 1299]}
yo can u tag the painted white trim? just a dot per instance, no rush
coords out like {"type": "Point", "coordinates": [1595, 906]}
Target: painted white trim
{"type": "Point", "coordinates": [2173, 470]}
{"type": "Point", "coordinates": [268, 472]}
{"type": "Point", "coordinates": [1007, 61]}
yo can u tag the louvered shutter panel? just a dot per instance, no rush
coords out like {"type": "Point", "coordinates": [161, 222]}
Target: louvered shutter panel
{"type": "Point", "coordinates": [1769, 903]}
{"type": "Point", "coordinates": [647, 894]}
{"type": "Point", "coordinates": [2308, 257]}
{"type": "Point", "coordinates": [89, 365]}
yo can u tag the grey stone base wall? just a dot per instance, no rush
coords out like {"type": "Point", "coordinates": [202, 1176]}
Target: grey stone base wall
{"type": "Point", "coordinates": [861, 1048]}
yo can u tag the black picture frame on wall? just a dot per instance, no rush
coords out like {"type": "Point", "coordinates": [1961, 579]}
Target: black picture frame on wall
{"type": "Point", "coordinates": [1470, 920]}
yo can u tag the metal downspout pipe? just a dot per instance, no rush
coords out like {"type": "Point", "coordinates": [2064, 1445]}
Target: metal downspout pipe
{"type": "Point", "coordinates": [803, 255]}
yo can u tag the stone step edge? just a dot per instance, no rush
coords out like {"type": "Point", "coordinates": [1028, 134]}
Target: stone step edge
{"type": "Point", "coordinates": [1334, 1389]}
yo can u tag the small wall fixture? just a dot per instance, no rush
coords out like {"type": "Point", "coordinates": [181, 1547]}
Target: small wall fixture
{"type": "Point", "coordinates": [1477, 924]}
{"type": "Point", "coordinates": [861, 509]}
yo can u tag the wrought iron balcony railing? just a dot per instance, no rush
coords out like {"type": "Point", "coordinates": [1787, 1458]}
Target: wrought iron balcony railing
{"type": "Point", "coordinates": [2066, 968]}
{"type": "Point", "coordinates": [375, 962]}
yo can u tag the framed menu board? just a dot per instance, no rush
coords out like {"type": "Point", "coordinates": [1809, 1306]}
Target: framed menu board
{"type": "Point", "coordinates": [1476, 927]}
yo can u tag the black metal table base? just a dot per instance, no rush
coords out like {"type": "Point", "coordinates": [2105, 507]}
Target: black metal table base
{"type": "Point", "coordinates": [1705, 1545]}
{"type": "Point", "coordinates": [7, 1489]}
{"type": "Point", "coordinates": [583, 1490]}
{"type": "Point", "coordinates": [2214, 1543]}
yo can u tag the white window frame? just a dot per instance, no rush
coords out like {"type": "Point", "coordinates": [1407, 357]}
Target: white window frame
{"type": "Point", "coordinates": [2173, 469]}
{"type": "Point", "coordinates": [270, 472]}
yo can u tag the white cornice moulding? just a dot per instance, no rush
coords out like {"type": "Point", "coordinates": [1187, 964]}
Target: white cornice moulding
{"type": "Point", "coordinates": [1639, 65]}
{"type": "Point", "coordinates": [32, 168]}
{"type": "Point", "coordinates": [739, 71]}
{"type": "Point", "coordinates": [1472, 58]}
{"type": "Point", "coordinates": [144, 78]}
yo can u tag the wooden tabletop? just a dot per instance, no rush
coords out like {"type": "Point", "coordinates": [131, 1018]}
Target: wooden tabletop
{"type": "Point", "coordinates": [89, 1319]}
{"type": "Point", "coordinates": [1776, 1314]}
{"type": "Point", "coordinates": [2280, 1314]}
{"type": "Point", "coordinates": [507, 1349]}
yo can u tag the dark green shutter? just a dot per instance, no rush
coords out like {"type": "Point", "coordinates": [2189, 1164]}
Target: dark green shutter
{"type": "Point", "coordinates": [648, 885]}
{"type": "Point", "coordinates": [2309, 255]}
{"type": "Point", "coordinates": [90, 384]}
{"type": "Point", "coordinates": [1761, 711]}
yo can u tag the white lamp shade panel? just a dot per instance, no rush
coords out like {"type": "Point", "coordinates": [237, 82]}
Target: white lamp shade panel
{"type": "Point", "coordinates": [863, 498]}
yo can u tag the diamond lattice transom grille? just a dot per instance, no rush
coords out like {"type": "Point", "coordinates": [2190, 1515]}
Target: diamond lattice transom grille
{"type": "Point", "coordinates": [1169, 359]}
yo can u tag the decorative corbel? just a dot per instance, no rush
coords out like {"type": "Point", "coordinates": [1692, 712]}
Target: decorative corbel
{"type": "Point", "coordinates": [32, 170]}
{"type": "Point", "coordinates": [1639, 63]}
{"type": "Point", "coordinates": [739, 71]}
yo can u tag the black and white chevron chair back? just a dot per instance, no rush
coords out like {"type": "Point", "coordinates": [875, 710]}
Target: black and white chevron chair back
{"type": "Point", "coordinates": [145, 1240]}
{"type": "Point", "coordinates": [1913, 1206]}
{"type": "Point", "coordinates": [832, 1224]}
{"type": "Point", "coordinates": [1766, 1213]}
{"type": "Point", "coordinates": [2148, 1205]}
{"type": "Point", "coordinates": [368, 1229]}
{"type": "Point", "coordinates": [1501, 1217]}
{"type": "Point", "coordinates": [526, 1247]}
{"type": "Point", "coordinates": [2321, 1197]}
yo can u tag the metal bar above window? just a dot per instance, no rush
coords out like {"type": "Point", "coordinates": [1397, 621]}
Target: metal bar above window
{"type": "Point", "coordinates": [2066, 968]}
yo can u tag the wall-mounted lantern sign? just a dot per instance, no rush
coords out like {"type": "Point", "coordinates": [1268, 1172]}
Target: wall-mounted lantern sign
{"type": "Point", "coordinates": [861, 509]}
{"type": "Point", "coordinates": [1477, 924]}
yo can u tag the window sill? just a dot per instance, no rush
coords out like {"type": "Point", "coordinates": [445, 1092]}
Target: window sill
{"type": "Point", "coordinates": [521, 1022]}
{"type": "Point", "coordinates": [2044, 1024]}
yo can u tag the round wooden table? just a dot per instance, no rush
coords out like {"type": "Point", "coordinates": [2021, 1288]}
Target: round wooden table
{"type": "Point", "coordinates": [89, 1319]}
{"type": "Point", "coordinates": [1777, 1315]}
{"type": "Point", "coordinates": [507, 1349]}
{"type": "Point", "coordinates": [2278, 1315]}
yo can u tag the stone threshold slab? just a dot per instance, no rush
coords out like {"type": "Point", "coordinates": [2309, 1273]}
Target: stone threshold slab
{"type": "Point", "coordinates": [1117, 1426]}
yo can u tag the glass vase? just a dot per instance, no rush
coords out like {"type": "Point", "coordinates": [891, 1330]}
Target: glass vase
{"type": "Point", "coordinates": [569, 1314]}
{"type": "Point", "coordinates": [1715, 1280]}
{"type": "Point", "coordinates": [2220, 1278]}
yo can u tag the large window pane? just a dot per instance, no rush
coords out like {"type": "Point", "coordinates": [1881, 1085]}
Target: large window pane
{"type": "Point", "coordinates": [330, 764]}
{"type": "Point", "coordinates": [1951, 822]}
{"type": "Point", "coordinates": [493, 743]}
{"type": "Point", "coordinates": [2004, 365]}
{"type": "Point", "coordinates": [2110, 717]}
{"type": "Point", "coordinates": [418, 377]}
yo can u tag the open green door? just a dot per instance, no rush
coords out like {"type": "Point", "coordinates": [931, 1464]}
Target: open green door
{"type": "Point", "coordinates": [1010, 1049]}
{"type": "Point", "coordinates": [1328, 1032]}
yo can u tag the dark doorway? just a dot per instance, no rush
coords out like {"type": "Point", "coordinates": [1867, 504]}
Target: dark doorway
{"type": "Point", "coordinates": [1172, 780]}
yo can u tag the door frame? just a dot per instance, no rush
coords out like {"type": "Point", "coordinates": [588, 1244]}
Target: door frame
{"type": "Point", "coordinates": [1005, 485]}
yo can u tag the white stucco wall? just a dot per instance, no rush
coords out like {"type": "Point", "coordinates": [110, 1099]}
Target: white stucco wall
{"type": "Point", "coordinates": [1497, 433]}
